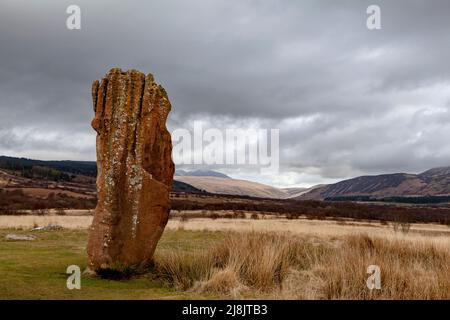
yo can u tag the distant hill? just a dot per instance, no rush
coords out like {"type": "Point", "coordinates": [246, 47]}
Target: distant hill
{"type": "Point", "coordinates": [297, 192]}
{"type": "Point", "coordinates": [216, 182]}
{"type": "Point", "coordinates": [233, 186]}
{"type": "Point", "coordinates": [292, 192]}
{"type": "Point", "coordinates": [62, 170]}
{"type": "Point", "coordinates": [431, 183]}
{"type": "Point", "coordinates": [86, 168]}
{"type": "Point", "coordinates": [201, 173]}
{"type": "Point", "coordinates": [431, 186]}
{"type": "Point", "coordinates": [178, 186]}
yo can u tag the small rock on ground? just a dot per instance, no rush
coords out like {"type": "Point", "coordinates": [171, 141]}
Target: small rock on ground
{"type": "Point", "coordinates": [50, 227]}
{"type": "Point", "coordinates": [20, 237]}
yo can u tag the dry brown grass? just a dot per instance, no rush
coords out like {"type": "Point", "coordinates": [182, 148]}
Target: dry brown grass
{"type": "Point", "coordinates": [293, 259]}
{"type": "Point", "coordinates": [273, 265]}
{"type": "Point", "coordinates": [409, 270]}
{"type": "Point", "coordinates": [317, 228]}
{"type": "Point", "coordinates": [31, 221]}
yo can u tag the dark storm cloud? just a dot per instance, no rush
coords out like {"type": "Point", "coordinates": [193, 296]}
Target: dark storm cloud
{"type": "Point", "coordinates": [347, 100]}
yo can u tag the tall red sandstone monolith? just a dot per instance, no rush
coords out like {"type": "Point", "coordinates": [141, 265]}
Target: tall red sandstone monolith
{"type": "Point", "coordinates": [135, 170]}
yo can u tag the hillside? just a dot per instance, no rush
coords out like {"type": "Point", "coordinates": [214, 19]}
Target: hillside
{"type": "Point", "coordinates": [430, 186]}
{"type": "Point", "coordinates": [292, 193]}
{"type": "Point", "coordinates": [87, 168]}
{"type": "Point", "coordinates": [178, 186]}
{"type": "Point", "coordinates": [233, 186]}
{"type": "Point", "coordinates": [201, 173]}
{"type": "Point", "coordinates": [40, 174]}
{"type": "Point", "coordinates": [434, 182]}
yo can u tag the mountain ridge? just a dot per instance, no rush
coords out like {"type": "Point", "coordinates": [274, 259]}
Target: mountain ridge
{"type": "Point", "coordinates": [200, 173]}
{"type": "Point", "coordinates": [433, 182]}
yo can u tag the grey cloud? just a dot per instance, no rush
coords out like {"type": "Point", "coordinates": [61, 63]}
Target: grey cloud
{"type": "Point", "coordinates": [347, 100]}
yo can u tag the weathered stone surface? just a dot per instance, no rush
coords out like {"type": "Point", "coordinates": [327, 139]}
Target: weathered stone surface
{"type": "Point", "coordinates": [135, 170]}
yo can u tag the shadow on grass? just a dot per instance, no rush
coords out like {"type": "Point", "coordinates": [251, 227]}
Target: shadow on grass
{"type": "Point", "coordinates": [124, 273]}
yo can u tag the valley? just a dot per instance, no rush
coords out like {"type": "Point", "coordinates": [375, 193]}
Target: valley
{"type": "Point", "coordinates": [301, 245]}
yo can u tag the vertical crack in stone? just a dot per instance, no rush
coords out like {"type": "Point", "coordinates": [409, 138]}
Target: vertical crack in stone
{"type": "Point", "coordinates": [95, 86]}
{"type": "Point", "coordinates": [135, 172]}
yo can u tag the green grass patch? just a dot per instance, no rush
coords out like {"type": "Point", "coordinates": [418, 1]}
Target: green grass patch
{"type": "Point", "coordinates": [37, 269]}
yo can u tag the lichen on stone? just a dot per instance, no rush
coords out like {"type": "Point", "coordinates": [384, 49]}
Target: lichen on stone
{"type": "Point", "coordinates": [135, 169]}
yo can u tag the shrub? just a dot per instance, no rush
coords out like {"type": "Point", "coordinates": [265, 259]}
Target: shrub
{"type": "Point", "coordinates": [254, 216]}
{"type": "Point", "coordinates": [42, 212]}
{"type": "Point", "coordinates": [60, 212]}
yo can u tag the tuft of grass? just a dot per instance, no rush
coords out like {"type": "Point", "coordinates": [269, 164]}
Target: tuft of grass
{"type": "Point", "coordinates": [290, 267]}
{"type": "Point", "coordinates": [257, 260]}
{"type": "Point", "coordinates": [408, 270]}
{"type": "Point", "coordinates": [182, 269]}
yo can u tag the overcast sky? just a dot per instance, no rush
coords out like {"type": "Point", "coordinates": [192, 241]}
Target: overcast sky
{"type": "Point", "coordinates": [348, 101]}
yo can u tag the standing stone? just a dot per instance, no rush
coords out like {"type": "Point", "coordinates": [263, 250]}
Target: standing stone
{"type": "Point", "coordinates": [135, 170]}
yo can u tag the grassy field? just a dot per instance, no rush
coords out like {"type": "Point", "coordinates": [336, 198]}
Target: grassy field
{"type": "Point", "coordinates": [202, 264]}
{"type": "Point", "coordinates": [36, 269]}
